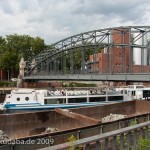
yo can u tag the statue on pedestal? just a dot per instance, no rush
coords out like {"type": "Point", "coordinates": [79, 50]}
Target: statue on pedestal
{"type": "Point", "coordinates": [22, 66]}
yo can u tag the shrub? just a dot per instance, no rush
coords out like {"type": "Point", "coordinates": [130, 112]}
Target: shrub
{"type": "Point", "coordinates": [7, 84]}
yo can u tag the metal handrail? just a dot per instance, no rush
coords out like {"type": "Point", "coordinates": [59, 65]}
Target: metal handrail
{"type": "Point", "coordinates": [100, 137]}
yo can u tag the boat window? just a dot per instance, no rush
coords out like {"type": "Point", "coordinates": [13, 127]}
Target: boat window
{"type": "Point", "coordinates": [146, 94]}
{"type": "Point", "coordinates": [18, 99]}
{"type": "Point", "coordinates": [123, 91]}
{"type": "Point", "coordinates": [115, 98]}
{"type": "Point", "coordinates": [54, 101]}
{"type": "Point", "coordinates": [133, 93]}
{"type": "Point", "coordinates": [60, 101]}
{"type": "Point", "coordinates": [139, 86]}
{"type": "Point", "coordinates": [27, 98]}
{"type": "Point", "coordinates": [97, 99]}
{"type": "Point", "coordinates": [77, 100]}
{"type": "Point", "coordinates": [130, 86]}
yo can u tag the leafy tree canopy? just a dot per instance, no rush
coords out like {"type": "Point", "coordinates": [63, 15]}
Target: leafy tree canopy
{"type": "Point", "coordinates": [13, 47]}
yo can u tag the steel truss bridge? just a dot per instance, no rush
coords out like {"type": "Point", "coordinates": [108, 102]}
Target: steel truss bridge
{"type": "Point", "coordinates": [69, 59]}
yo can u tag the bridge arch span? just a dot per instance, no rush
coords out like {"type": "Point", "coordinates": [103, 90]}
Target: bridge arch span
{"type": "Point", "coordinates": [110, 40]}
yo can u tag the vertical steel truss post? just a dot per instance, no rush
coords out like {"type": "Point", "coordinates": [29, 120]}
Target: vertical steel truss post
{"type": "Point", "coordinates": [108, 55]}
{"type": "Point", "coordinates": [58, 63]}
{"type": "Point", "coordinates": [131, 53]}
{"type": "Point", "coordinates": [54, 64]}
{"type": "Point", "coordinates": [95, 51]}
{"type": "Point", "coordinates": [64, 62]}
{"type": "Point", "coordinates": [41, 66]}
{"type": "Point", "coordinates": [82, 60]}
{"type": "Point", "coordinates": [72, 61]}
{"type": "Point", "coordinates": [95, 55]}
{"type": "Point", "coordinates": [94, 60]}
{"type": "Point", "coordinates": [123, 51]}
{"type": "Point", "coordinates": [61, 63]}
{"type": "Point", "coordinates": [47, 66]}
{"type": "Point", "coordinates": [111, 56]}
{"type": "Point", "coordinates": [50, 67]}
{"type": "Point", "coordinates": [142, 54]}
{"type": "Point", "coordinates": [72, 58]}
{"type": "Point", "coordinates": [123, 60]}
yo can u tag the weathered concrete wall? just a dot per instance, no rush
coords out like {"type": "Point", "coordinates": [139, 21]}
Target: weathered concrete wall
{"type": "Point", "coordinates": [142, 106]}
{"type": "Point", "coordinates": [98, 112]}
{"type": "Point", "coordinates": [22, 125]}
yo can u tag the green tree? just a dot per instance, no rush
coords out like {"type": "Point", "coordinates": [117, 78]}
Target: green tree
{"type": "Point", "coordinates": [37, 45]}
{"type": "Point", "coordinates": [13, 47]}
{"type": "Point", "coordinates": [2, 45]}
{"type": "Point", "coordinates": [25, 45]}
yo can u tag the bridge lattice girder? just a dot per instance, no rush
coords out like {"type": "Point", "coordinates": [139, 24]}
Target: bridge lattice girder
{"type": "Point", "coordinates": [91, 38]}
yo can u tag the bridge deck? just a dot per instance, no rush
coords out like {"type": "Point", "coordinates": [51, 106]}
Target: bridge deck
{"type": "Point", "coordinates": [91, 77]}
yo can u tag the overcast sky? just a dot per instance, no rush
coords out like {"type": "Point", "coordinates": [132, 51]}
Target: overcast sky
{"type": "Point", "coordinates": [54, 20]}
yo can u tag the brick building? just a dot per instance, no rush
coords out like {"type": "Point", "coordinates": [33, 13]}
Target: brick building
{"type": "Point", "coordinates": [8, 74]}
{"type": "Point", "coordinates": [116, 59]}
{"type": "Point", "coordinates": [3, 75]}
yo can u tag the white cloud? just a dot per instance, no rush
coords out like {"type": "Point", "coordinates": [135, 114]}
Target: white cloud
{"type": "Point", "coordinates": [54, 20]}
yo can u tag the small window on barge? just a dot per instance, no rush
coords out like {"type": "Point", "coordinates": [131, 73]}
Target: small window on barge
{"type": "Point", "coordinates": [27, 98]}
{"type": "Point", "coordinates": [133, 93]}
{"type": "Point", "coordinates": [18, 99]}
{"type": "Point", "coordinates": [77, 100]}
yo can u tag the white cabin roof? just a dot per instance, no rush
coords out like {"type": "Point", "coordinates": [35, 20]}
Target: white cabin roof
{"type": "Point", "coordinates": [21, 91]}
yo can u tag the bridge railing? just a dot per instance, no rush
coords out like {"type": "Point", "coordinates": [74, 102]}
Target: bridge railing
{"type": "Point", "coordinates": [126, 138]}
